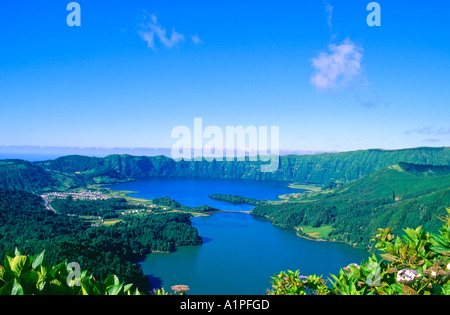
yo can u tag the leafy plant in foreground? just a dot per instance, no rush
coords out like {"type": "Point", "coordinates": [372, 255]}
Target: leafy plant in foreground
{"type": "Point", "coordinates": [26, 275]}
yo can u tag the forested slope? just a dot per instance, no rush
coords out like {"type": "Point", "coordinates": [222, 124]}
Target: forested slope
{"type": "Point", "coordinates": [392, 197]}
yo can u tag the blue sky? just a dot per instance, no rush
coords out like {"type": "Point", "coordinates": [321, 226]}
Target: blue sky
{"type": "Point", "coordinates": [134, 70]}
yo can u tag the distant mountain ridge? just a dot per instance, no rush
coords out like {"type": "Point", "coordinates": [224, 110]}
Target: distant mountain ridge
{"type": "Point", "coordinates": [41, 153]}
{"type": "Point", "coordinates": [320, 169]}
{"type": "Point", "coordinates": [76, 170]}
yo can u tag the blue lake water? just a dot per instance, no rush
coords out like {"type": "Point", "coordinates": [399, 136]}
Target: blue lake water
{"type": "Point", "coordinates": [195, 192]}
{"type": "Point", "coordinates": [240, 252]}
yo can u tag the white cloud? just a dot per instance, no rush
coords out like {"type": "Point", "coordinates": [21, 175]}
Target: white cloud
{"type": "Point", "coordinates": [153, 29]}
{"type": "Point", "coordinates": [338, 67]}
{"type": "Point", "coordinates": [329, 10]}
{"type": "Point", "coordinates": [429, 131]}
{"type": "Point", "coordinates": [341, 67]}
{"type": "Point", "coordinates": [196, 39]}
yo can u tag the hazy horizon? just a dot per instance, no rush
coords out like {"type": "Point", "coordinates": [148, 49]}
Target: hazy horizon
{"type": "Point", "coordinates": [37, 153]}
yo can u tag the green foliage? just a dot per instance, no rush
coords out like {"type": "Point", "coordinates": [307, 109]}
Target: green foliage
{"type": "Point", "coordinates": [168, 202]}
{"type": "Point", "coordinates": [236, 199]}
{"type": "Point", "coordinates": [416, 264]}
{"type": "Point", "coordinates": [160, 232]}
{"type": "Point", "coordinates": [102, 208]}
{"type": "Point", "coordinates": [160, 291]}
{"type": "Point", "coordinates": [175, 205]}
{"type": "Point", "coordinates": [292, 283]}
{"type": "Point", "coordinates": [28, 275]}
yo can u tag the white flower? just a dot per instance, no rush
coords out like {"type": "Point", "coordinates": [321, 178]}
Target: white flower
{"type": "Point", "coordinates": [448, 266]}
{"type": "Point", "coordinates": [407, 275]}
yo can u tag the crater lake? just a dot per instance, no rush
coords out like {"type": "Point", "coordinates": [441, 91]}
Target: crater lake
{"type": "Point", "coordinates": [240, 253]}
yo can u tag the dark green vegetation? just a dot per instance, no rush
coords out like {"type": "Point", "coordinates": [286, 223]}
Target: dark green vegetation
{"type": "Point", "coordinates": [400, 196]}
{"type": "Point", "coordinates": [100, 208]}
{"type": "Point", "coordinates": [26, 224]}
{"type": "Point", "coordinates": [236, 199]}
{"type": "Point", "coordinates": [28, 275]}
{"type": "Point", "coordinates": [175, 205]}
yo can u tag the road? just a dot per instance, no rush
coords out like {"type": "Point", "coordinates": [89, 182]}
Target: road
{"type": "Point", "coordinates": [47, 205]}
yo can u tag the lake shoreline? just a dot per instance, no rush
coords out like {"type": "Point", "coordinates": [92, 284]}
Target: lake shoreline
{"type": "Point", "coordinates": [240, 251]}
{"type": "Point", "coordinates": [126, 194]}
{"type": "Point", "coordinates": [241, 254]}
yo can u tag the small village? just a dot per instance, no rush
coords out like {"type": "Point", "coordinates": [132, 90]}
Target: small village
{"type": "Point", "coordinates": [94, 195]}
{"type": "Point", "coordinates": [82, 195]}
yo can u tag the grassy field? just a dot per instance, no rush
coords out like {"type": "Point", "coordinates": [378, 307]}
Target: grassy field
{"type": "Point", "coordinates": [109, 222]}
{"type": "Point", "coordinates": [95, 220]}
{"type": "Point", "coordinates": [309, 187]}
{"type": "Point", "coordinates": [317, 233]}
{"type": "Point", "coordinates": [119, 194]}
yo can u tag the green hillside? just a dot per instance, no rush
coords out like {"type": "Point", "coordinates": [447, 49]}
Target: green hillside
{"type": "Point", "coordinates": [401, 181]}
{"type": "Point", "coordinates": [392, 197]}
{"type": "Point", "coordinates": [314, 169]}
{"type": "Point", "coordinates": [89, 170]}
{"type": "Point", "coordinates": [348, 166]}
{"type": "Point", "coordinates": [23, 175]}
